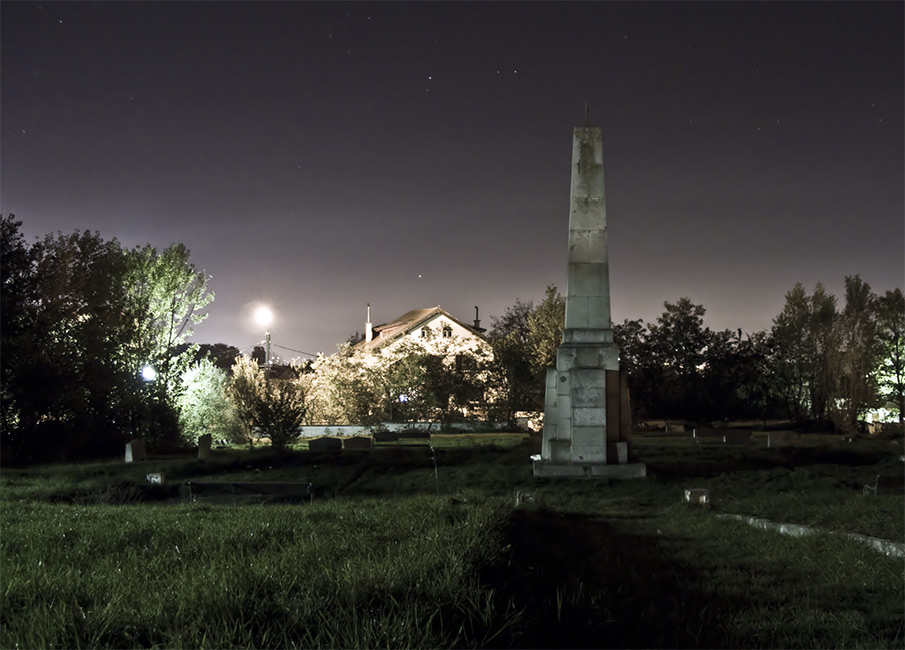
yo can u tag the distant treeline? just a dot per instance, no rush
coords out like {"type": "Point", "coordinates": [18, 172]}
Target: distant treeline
{"type": "Point", "coordinates": [93, 352]}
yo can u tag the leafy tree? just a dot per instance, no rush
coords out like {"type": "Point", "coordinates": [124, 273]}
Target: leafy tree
{"type": "Point", "coordinates": [803, 339]}
{"type": "Point", "coordinates": [17, 295]}
{"type": "Point", "coordinates": [221, 355]}
{"type": "Point", "coordinates": [172, 295]}
{"type": "Point", "coordinates": [678, 343]}
{"type": "Point", "coordinates": [415, 379]}
{"type": "Point", "coordinates": [891, 356]}
{"type": "Point", "coordinates": [205, 407]}
{"type": "Point", "coordinates": [854, 355]}
{"type": "Point", "coordinates": [77, 389]}
{"type": "Point", "coordinates": [273, 408]}
{"type": "Point", "coordinates": [637, 358]}
{"type": "Point", "coordinates": [81, 317]}
{"type": "Point", "coordinates": [524, 342]}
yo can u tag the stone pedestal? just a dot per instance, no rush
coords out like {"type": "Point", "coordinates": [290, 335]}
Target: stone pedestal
{"type": "Point", "coordinates": [586, 416]}
{"type": "Point", "coordinates": [204, 446]}
{"type": "Point", "coordinates": [136, 451]}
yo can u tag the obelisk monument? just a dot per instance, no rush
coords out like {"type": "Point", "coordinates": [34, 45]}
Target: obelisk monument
{"type": "Point", "coordinates": [581, 438]}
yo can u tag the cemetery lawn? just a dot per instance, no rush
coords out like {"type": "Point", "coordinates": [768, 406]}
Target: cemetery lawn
{"type": "Point", "coordinates": [390, 554]}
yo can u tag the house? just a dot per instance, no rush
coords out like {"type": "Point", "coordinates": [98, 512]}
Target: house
{"type": "Point", "coordinates": [433, 324]}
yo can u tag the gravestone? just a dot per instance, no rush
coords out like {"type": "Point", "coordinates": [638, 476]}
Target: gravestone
{"type": "Point", "coordinates": [358, 443]}
{"type": "Point", "coordinates": [156, 478]}
{"type": "Point", "coordinates": [586, 412]}
{"type": "Point", "coordinates": [698, 496]}
{"type": "Point", "coordinates": [782, 438]}
{"type": "Point", "coordinates": [204, 446]}
{"type": "Point", "coordinates": [135, 451]}
{"type": "Point", "coordinates": [325, 444]}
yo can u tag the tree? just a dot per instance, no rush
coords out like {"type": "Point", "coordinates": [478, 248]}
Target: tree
{"type": "Point", "coordinates": [172, 295]}
{"type": "Point", "coordinates": [205, 407]}
{"type": "Point", "coordinates": [678, 342]}
{"type": "Point", "coordinates": [524, 342]}
{"type": "Point", "coordinates": [17, 287]}
{"type": "Point", "coordinates": [221, 355]}
{"type": "Point", "coordinates": [853, 356]}
{"type": "Point", "coordinates": [891, 356]}
{"type": "Point", "coordinates": [802, 335]}
{"type": "Point", "coordinates": [81, 317]}
{"type": "Point", "coordinates": [637, 358]}
{"type": "Point", "coordinates": [272, 408]}
{"type": "Point", "coordinates": [76, 387]}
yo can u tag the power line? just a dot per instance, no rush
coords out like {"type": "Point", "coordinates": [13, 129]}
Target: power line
{"type": "Point", "coordinates": [274, 345]}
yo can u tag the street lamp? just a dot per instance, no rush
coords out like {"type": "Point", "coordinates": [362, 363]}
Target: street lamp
{"type": "Point", "coordinates": [148, 373]}
{"type": "Point", "coordinates": [264, 316]}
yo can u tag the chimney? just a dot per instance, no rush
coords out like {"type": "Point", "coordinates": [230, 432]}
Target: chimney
{"type": "Point", "coordinates": [369, 328]}
{"type": "Point", "coordinates": [477, 321]}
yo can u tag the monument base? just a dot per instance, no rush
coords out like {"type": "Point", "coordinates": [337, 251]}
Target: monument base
{"type": "Point", "coordinates": [548, 469]}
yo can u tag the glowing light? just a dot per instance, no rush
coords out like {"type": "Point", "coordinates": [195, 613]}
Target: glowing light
{"type": "Point", "coordinates": [263, 316]}
{"type": "Point", "coordinates": [148, 373]}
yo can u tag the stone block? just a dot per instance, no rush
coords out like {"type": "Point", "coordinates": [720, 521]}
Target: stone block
{"type": "Point", "coordinates": [589, 378]}
{"type": "Point", "coordinates": [136, 451]}
{"type": "Point", "coordinates": [584, 336]}
{"type": "Point", "coordinates": [564, 469]}
{"type": "Point", "coordinates": [585, 214]}
{"type": "Point", "coordinates": [588, 357]}
{"type": "Point", "coordinates": [564, 403]}
{"type": "Point", "coordinates": [629, 470]}
{"type": "Point", "coordinates": [589, 417]}
{"type": "Point", "coordinates": [577, 312]}
{"type": "Point", "coordinates": [325, 445]}
{"type": "Point", "coordinates": [597, 245]}
{"type": "Point", "coordinates": [579, 246]}
{"type": "Point", "coordinates": [782, 438]}
{"type": "Point", "coordinates": [564, 425]}
{"type": "Point", "coordinates": [599, 312]}
{"type": "Point", "coordinates": [566, 358]}
{"type": "Point", "coordinates": [358, 443]}
{"type": "Point", "coordinates": [563, 383]}
{"type": "Point", "coordinates": [698, 496]}
{"type": "Point", "coordinates": [588, 397]}
{"type": "Point", "coordinates": [588, 453]}
{"type": "Point", "coordinates": [584, 281]}
{"type": "Point", "coordinates": [589, 435]}
{"type": "Point", "coordinates": [204, 446]}
{"type": "Point", "coordinates": [560, 451]}
{"type": "Point", "coordinates": [551, 379]}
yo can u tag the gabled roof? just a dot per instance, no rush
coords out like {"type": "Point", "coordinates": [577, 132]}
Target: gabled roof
{"type": "Point", "coordinates": [409, 321]}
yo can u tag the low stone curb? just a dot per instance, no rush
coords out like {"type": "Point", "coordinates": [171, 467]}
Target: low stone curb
{"type": "Point", "coordinates": [885, 546]}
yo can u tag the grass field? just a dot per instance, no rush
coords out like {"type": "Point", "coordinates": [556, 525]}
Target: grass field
{"type": "Point", "coordinates": [91, 556]}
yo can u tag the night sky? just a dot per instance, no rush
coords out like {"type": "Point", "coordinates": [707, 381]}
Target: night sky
{"type": "Point", "coordinates": [318, 157]}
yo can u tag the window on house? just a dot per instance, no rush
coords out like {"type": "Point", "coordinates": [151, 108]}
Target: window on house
{"type": "Point", "coordinates": [425, 331]}
{"type": "Point", "coordinates": [447, 331]}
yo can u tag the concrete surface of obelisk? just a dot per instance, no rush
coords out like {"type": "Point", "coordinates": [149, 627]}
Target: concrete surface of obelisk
{"type": "Point", "coordinates": [575, 412]}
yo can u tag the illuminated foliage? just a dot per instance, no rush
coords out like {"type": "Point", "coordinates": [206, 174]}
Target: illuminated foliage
{"type": "Point", "coordinates": [415, 379]}
{"type": "Point", "coordinates": [205, 407]}
{"type": "Point", "coordinates": [272, 408]}
{"type": "Point", "coordinates": [82, 317]}
{"type": "Point", "coordinates": [891, 357]}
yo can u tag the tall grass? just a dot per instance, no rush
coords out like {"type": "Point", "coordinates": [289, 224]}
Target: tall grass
{"type": "Point", "coordinates": [89, 558]}
{"type": "Point", "coordinates": [368, 573]}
